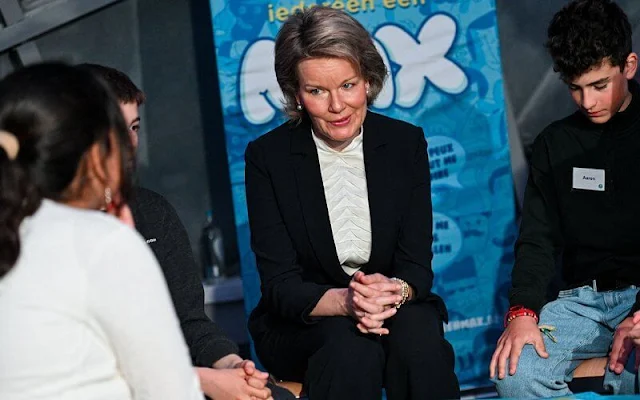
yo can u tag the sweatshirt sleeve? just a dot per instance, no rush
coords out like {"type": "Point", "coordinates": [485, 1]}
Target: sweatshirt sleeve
{"type": "Point", "coordinates": [540, 240]}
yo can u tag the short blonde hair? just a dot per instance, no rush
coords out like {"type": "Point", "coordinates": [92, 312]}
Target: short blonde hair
{"type": "Point", "coordinates": [324, 32]}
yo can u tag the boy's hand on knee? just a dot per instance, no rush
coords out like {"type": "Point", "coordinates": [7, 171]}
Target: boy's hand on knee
{"type": "Point", "coordinates": [622, 346]}
{"type": "Point", "coordinates": [521, 331]}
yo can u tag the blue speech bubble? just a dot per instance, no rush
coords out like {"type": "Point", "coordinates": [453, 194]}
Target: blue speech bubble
{"type": "Point", "coordinates": [447, 241]}
{"type": "Point", "coordinates": [446, 159]}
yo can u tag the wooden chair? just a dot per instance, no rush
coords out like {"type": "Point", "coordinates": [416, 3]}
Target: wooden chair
{"type": "Point", "coordinates": [589, 375]}
{"type": "Point", "coordinates": [591, 368]}
{"type": "Point", "coordinates": [294, 387]}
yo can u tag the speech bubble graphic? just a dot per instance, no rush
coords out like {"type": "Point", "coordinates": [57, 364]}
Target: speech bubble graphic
{"type": "Point", "coordinates": [385, 98]}
{"type": "Point", "coordinates": [446, 159]}
{"type": "Point", "coordinates": [447, 241]}
{"type": "Point", "coordinates": [260, 94]}
{"type": "Point", "coordinates": [423, 58]}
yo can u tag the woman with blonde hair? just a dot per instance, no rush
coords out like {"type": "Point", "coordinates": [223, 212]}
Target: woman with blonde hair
{"type": "Point", "coordinates": [339, 206]}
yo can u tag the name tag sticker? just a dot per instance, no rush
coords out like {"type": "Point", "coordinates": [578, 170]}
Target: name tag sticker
{"type": "Point", "coordinates": [588, 179]}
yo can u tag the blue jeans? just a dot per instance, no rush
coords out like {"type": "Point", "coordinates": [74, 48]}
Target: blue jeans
{"type": "Point", "coordinates": [585, 321]}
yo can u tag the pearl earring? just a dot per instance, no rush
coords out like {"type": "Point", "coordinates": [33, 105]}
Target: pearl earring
{"type": "Point", "coordinates": [108, 200]}
{"type": "Point", "coordinates": [299, 107]}
{"type": "Point", "coordinates": [107, 196]}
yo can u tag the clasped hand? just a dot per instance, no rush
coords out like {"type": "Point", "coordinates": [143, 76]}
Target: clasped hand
{"type": "Point", "coordinates": [371, 299]}
{"type": "Point", "coordinates": [234, 378]}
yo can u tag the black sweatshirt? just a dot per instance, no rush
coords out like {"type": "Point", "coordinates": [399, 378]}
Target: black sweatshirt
{"type": "Point", "coordinates": [595, 232]}
{"type": "Point", "coordinates": [158, 223]}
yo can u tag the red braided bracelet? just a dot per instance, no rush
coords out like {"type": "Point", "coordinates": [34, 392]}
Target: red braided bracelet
{"type": "Point", "coordinates": [519, 311]}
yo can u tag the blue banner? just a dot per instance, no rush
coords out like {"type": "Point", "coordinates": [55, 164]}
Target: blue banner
{"type": "Point", "coordinates": [446, 77]}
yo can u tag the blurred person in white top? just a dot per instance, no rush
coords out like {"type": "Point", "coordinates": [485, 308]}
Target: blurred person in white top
{"type": "Point", "coordinates": [85, 311]}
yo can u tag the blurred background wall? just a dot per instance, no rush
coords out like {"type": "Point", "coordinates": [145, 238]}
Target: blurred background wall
{"type": "Point", "coordinates": [153, 42]}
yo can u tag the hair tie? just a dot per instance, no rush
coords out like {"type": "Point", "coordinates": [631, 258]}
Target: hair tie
{"type": "Point", "coordinates": [9, 143]}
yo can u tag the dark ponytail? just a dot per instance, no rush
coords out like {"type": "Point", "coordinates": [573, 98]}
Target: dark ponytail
{"type": "Point", "coordinates": [57, 112]}
{"type": "Point", "coordinates": [18, 199]}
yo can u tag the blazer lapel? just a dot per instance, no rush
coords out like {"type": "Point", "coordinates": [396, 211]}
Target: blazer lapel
{"type": "Point", "coordinates": [314, 207]}
{"type": "Point", "coordinates": [381, 209]}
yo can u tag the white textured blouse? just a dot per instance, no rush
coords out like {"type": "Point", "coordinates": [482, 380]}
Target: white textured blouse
{"type": "Point", "coordinates": [345, 189]}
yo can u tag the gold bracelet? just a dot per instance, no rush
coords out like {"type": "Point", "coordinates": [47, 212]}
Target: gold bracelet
{"type": "Point", "coordinates": [405, 291]}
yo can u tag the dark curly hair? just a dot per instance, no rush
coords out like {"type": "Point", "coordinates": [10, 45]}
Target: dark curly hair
{"type": "Point", "coordinates": [120, 84]}
{"type": "Point", "coordinates": [585, 33]}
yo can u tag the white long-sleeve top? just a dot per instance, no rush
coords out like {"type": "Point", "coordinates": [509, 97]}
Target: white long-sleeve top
{"type": "Point", "coordinates": [85, 314]}
{"type": "Point", "coordinates": [345, 190]}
